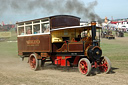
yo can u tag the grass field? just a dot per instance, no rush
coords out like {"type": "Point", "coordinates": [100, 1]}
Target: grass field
{"type": "Point", "coordinates": [13, 36]}
{"type": "Point", "coordinates": [126, 34]}
{"type": "Point", "coordinates": [117, 51]}
{"type": "Point", "coordinates": [15, 72]}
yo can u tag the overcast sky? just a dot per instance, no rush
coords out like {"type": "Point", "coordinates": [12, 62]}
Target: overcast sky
{"type": "Point", "coordinates": [15, 10]}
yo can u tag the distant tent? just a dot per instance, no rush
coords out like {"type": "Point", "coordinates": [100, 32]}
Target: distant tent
{"type": "Point", "coordinates": [13, 26]}
{"type": "Point", "coordinates": [10, 22]}
{"type": "Point", "coordinates": [3, 23]}
{"type": "Point", "coordinates": [114, 22]}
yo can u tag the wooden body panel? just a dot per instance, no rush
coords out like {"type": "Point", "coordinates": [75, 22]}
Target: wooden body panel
{"type": "Point", "coordinates": [75, 47]}
{"type": "Point", "coordinates": [70, 47]}
{"type": "Point", "coordinates": [37, 43]}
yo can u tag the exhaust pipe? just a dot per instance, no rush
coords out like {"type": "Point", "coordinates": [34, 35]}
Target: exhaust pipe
{"type": "Point", "coordinates": [93, 25]}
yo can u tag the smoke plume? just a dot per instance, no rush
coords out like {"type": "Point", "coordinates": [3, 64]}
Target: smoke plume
{"type": "Point", "coordinates": [51, 6]}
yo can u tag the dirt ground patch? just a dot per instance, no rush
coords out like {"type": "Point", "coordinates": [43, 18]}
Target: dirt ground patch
{"type": "Point", "coordinates": [17, 72]}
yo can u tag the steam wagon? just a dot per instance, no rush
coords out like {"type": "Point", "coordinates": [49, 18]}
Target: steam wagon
{"type": "Point", "coordinates": [61, 39]}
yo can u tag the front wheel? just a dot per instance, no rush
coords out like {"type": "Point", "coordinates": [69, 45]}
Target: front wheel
{"type": "Point", "coordinates": [84, 66]}
{"type": "Point", "coordinates": [105, 65]}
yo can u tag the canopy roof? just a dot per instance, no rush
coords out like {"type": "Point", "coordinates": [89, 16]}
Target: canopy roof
{"type": "Point", "coordinates": [76, 27]}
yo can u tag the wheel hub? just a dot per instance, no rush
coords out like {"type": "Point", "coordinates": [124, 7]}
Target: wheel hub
{"type": "Point", "coordinates": [83, 67]}
{"type": "Point", "coordinates": [97, 53]}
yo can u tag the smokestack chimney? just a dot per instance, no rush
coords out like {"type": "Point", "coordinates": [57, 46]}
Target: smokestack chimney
{"type": "Point", "coordinates": [93, 24]}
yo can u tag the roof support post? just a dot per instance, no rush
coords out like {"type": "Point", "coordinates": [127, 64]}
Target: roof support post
{"type": "Point", "coordinates": [40, 27]}
{"type": "Point", "coordinates": [24, 28]}
{"type": "Point", "coordinates": [32, 28]}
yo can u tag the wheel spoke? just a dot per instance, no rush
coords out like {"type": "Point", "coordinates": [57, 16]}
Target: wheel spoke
{"type": "Point", "coordinates": [86, 68]}
{"type": "Point", "coordinates": [81, 65]}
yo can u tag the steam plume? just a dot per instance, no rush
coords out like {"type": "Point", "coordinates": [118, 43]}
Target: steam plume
{"type": "Point", "coordinates": [51, 6]}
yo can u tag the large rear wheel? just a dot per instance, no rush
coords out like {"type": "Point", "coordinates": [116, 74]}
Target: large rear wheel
{"type": "Point", "coordinates": [105, 65]}
{"type": "Point", "coordinates": [84, 66]}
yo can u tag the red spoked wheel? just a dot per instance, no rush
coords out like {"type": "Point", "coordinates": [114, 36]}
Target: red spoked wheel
{"type": "Point", "coordinates": [35, 64]}
{"type": "Point", "coordinates": [84, 66]}
{"type": "Point", "coordinates": [105, 65]}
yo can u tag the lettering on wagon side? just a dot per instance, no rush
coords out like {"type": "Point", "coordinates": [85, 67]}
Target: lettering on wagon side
{"type": "Point", "coordinates": [33, 42]}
